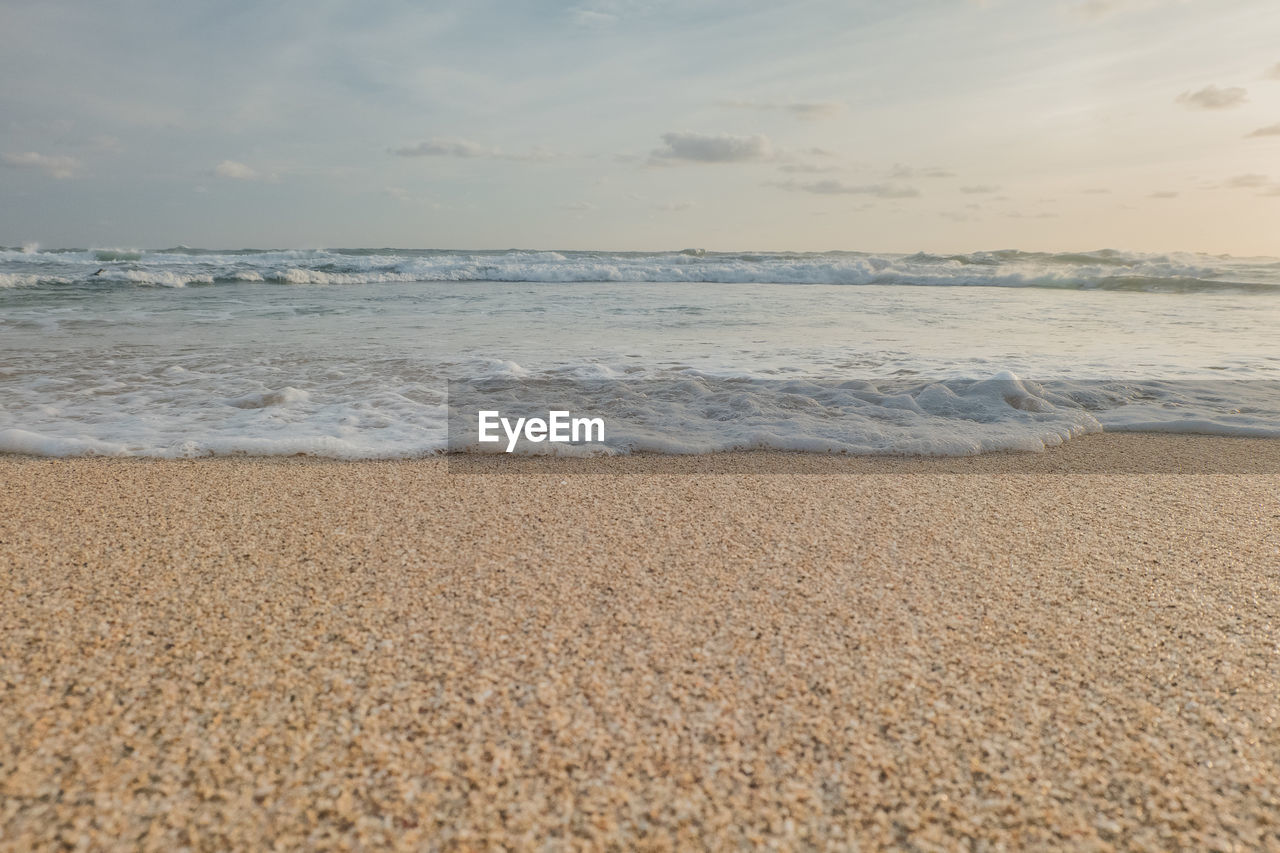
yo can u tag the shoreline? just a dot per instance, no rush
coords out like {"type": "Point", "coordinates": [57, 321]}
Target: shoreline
{"type": "Point", "coordinates": [1095, 453]}
{"type": "Point", "coordinates": [240, 652]}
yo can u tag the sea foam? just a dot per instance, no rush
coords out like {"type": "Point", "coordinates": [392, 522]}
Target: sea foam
{"type": "Point", "coordinates": [1090, 270]}
{"type": "Point", "coordinates": [350, 353]}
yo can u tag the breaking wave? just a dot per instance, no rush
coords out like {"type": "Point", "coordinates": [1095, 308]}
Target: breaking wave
{"type": "Point", "coordinates": [181, 413]}
{"type": "Point", "coordinates": [179, 266]}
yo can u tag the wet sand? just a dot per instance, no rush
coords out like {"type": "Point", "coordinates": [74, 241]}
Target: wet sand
{"type": "Point", "coordinates": [1075, 648]}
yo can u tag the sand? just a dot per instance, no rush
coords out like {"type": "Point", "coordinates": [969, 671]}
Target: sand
{"type": "Point", "coordinates": [299, 653]}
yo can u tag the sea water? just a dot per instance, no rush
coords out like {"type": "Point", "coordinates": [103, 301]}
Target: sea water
{"type": "Point", "coordinates": [348, 353]}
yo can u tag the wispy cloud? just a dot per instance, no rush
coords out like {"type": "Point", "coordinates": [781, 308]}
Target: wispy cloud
{"type": "Point", "coordinates": [1269, 130]}
{"type": "Point", "coordinates": [1273, 73]}
{"type": "Point", "coordinates": [980, 189]}
{"type": "Point", "coordinates": [592, 18]}
{"type": "Point", "coordinates": [236, 171]}
{"type": "Point", "coordinates": [445, 148]}
{"type": "Point", "coordinates": [1163, 194]}
{"type": "Point", "coordinates": [1214, 98]}
{"type": "Point", "coordinates": [1096, 8]}
{"type": "Point", "coordinates": [819, 109]}
{"type": "Point", "coordinates": [1252, 181]}
{"type": "Point", "coordinates": [1246, 182]}
{"type": "Point", "coordinates": [52, 165]}
{"type": "Point", "coordinates": [712, 148]}
{"type": "Point", "coordinates": [603, 14]}
{"type": "Point", "coordinates": [1099, 9]}
{"type": "Point", "coordinates": [466, 149]}
{"type": "Point", "coordinates": [831, 187]}
{"type": "Point", "coordinates": [1265, 184]}
{"type": "Point", "coordinates": [403, 195]}
{"type": "Point", "coordinates": [799, 109]}
{"type": "Point", "coordinates": [807, 168]}
{"type": "Point", "coordinates": [900, 172]}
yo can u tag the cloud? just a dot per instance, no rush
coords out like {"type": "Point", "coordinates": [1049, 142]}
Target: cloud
{"type": "Point", "coordinates": [1246, 182]}
{"type": "Point", "coordinates": [1213, 98]}
{"type": "Point", "coordinates": [1273, 73]}
{"type": "Point", "coordinates": [831, 187]}
{"type": "Point", "coordinates": [603, 14]}
{"type": "Point", "coordinates": [445, 148]}
{"type": "Point", "coordinates": [906, 173]}
{"type": "Point", "coordinates": [1163, 194]}
{"type": "Point", "coordinates": [52, 165]}
{"type": "Point", "coordinates": [980, 189]}
{"type": "Point", "coordinates": [1096, 191]}
{"type": "Point", "coordinates": [807, 168]}
{"type": "Point", "coordinates": [1269, 130]}
{"type": "Point", "coordinates": [1252, 181]}
{"type": "Point", "coordinates": [799, 109]}
{"type": "Point", "coordinates": [712, 148]}
{"type": "Point", "coordinates": [591, 18]}
{"type": "Point", "coordinates": [1099, 9]}
{"type": "Point", "coordinates": [820, 109]}
{"type": "Point", "coordinates": [235, 171]}
{"type": "Point", "coordinates": [466, 149]}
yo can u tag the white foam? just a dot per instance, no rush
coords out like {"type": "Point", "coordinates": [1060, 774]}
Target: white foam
{"type": "Point", "coordinates": [694, 414]}
{"type": "Point", "coordinates": [37, 444]}
{"type": "Point", "coordinates": [1107, 270]}
{"type": "Point", "coordinates": [120, 364]}
{"type": "Point", "coordinates": [284, 397]}
{"type": "Point", "coordinates": [18, 279]}
{"type": "Point", "coordinates": [174, 411]}
{"type": "Point", "coordinates": [159, 277]}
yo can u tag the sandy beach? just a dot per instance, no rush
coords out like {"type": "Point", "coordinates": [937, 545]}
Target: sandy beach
{"type": "Point", "coordinates": [1071, 649]}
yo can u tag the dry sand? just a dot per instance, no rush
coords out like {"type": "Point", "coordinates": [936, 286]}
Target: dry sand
{"type": "Point", "coordinates": [249, 653]}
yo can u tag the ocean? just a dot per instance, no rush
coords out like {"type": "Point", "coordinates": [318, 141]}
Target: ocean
{"type": "Point", "coordinates": [349, 353]}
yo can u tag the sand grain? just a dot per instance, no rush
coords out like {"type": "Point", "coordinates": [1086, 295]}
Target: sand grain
{"type": "Point", "coordinates": [232, 653]}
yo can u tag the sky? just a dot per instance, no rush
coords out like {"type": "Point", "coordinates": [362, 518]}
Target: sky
{"type": "Point", "coordinates": [912, 125]}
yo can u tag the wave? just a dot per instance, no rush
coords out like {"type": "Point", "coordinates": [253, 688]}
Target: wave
{"type": "Point", "coordinates": [180, 266]}
{"type": "Point", "coordinates": [183, 413]}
